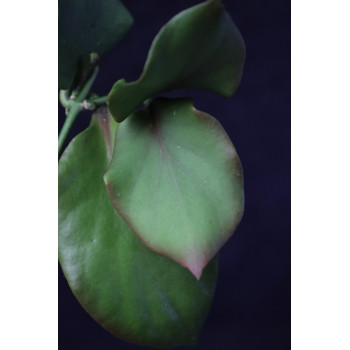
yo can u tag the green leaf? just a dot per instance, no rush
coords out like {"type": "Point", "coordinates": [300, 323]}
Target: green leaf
{"type": "Point", "coordinates": [199, 48]}
{"type": "Point", "coordinates": [176, 178]}
{"type": "Point", "coordinates": [139, 296]}
{"type": "Point", "coordinates": [86, 26]}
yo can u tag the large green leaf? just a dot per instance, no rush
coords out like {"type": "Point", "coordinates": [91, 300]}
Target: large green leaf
{"type": "Point", "coordinates": [86, 26]}
{"type": "Point", "coordinates": [176, 178]}
{"type": "Point", "coordinates": [199, 48]}
{"type": "Point", "coordinates": [139, 296]}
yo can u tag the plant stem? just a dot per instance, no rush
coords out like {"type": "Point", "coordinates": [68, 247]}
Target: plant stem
{"type": "Point", "coordinates": [98, 101]}
{"type": "Point", "coordinates": [86, 88]}
{"type": "Point", "coordinates": [74, 110]}
{"type": "Point", "coordinates": [74, 107]}
{"type": "Point", "coordinates": [93, 103]}
{"type": "Point", "coordinates": [64, 98]}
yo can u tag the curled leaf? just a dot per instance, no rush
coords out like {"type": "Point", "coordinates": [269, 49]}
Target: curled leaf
{"type": "Point", "coordinates": [199, 48]}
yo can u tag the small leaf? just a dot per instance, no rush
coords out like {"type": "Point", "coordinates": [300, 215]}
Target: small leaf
{"type": "Point", "coordinates": [176, 179]}
{"type": "Point", "coordinates": [199, 48]}
{"type": "Point", "coordinates": [86, 26]}
{"type": "Point", "coordinates": [137, 295]}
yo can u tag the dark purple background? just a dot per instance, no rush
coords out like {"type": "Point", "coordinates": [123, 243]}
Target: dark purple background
{"type": "Point", "coordinates": [251, 308]}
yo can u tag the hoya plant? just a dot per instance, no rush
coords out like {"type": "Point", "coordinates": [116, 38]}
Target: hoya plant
{"type": "Point", "coordinates": [153, 188]}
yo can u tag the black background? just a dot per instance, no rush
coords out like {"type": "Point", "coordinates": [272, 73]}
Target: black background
{"type": "Point", "coordinates": [251, 308]}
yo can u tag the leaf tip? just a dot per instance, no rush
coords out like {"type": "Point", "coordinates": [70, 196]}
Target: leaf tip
{"type": "Point", "coordinates": [195, 266]}
{"type": "Point", "coordinates": [196, 271]}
